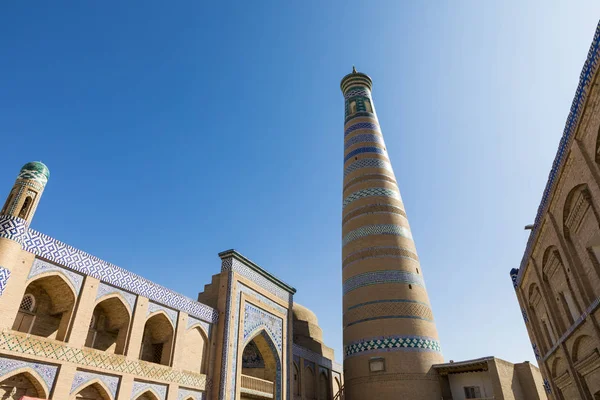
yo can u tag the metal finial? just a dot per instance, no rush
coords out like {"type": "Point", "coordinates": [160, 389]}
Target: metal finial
{"type": "Point", "coordinates": [353, 69]}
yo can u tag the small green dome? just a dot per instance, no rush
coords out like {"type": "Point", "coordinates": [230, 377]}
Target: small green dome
{"type": "Point", "coordinates": [36, 171]}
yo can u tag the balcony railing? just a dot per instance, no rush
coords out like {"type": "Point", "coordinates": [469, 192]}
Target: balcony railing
{"type": "Point", "coordinates": [256, 387]}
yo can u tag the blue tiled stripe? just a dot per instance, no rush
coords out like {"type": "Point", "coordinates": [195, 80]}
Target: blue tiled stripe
{"type": "Point", "coordinates": [382, 278]}
{"type": "Point", "coordinates": [370, 192]}
{"type": "Point", "coordinates": [368, 230]}
{"type": "Point", "coordinates": [364, 150]}
{"type": "Point", "coordinates": [361, 125]}
{"type": "Point", "coordinates": [392, 343]}
{"type": "Point", "coordinates": [364, 138]}
{"type": "Point", "coordinates": [368, 163]}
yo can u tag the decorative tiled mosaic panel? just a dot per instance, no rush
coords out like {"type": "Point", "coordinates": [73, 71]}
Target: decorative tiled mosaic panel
{"type": "Point", "coordinates": [547, 386]}
{"type": "Point", "coordinates": [242, 269]}
{"type": "Point", "coordinates": [185, 394]}
{"type": "Point", "coordinates": [38, 177]}
{"type": "Point", "coordinates": [13, 228]}
{"type": "Point", "coordinates": [45, 371]}
{"type": "Point", "coordinates": [387, 309]}
{"type": "Point", "coordinates": [77, 260]}
{"type": "Point", "coordinates": [392, 343]}
{"type": "Point", "coordinates": [83, 378]}
{"type": "Point", "coordinates": [364, 138]}
{"type": "Point", "coordinates": [371, 192]}
{"type": "Point", "coordinates": [583, 88]}
{"type": "Point", "coordinates": [382, 278]}
{"type": "Point", "coordinates": [251, 357]}
{"type": "Point", "coordinates": [357, 91]}
{"type": "Point", "coordinates": [24, 344]}
{"type": "Point", "coordinates": [311, 356]}
{"type": "Point", "coordinates": [41, 267]}
{"type": "Point", "coordinates": [4, 276]}
{"type": "Point", "coordinates": [362, 150]}
{"type": "Point", "coordinates": [172, 314]}
{"type": "Point", "coordinates": [105, 290]}
{"type": "Point", "coordinates": [256, 318]}
{"type": "Point", "coordinates": [368, 163]}
{"type": "Point", "coordinates": [204, 325]}
{"type": "Point", "coordinates": [369, 230]}
{"type": "Point", "coordinates": [141, 387]}
{"type": "Point", "coordinates": [361, 125]}
{"type": "Point", "coordinates": [379, 252]}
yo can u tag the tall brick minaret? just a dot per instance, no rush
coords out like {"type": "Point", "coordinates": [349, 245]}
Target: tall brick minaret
{"type": "Point", "coordinates": [390, 338]}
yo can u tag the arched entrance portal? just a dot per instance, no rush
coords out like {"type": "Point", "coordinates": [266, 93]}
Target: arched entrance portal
{"type": "Point", "coordinates": [22, 384]}
{"type": "Point", "coordinates": [260, 369]}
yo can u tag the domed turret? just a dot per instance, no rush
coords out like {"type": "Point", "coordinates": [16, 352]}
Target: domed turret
{"type": "Point", "coordinates": [307, 332]}
{"type": "Point", "coordinates": [36, 171]}
{"type": "Point", "coordinates": [25, 195]}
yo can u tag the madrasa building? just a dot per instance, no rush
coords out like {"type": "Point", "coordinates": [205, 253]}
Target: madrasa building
{"type": "Point", "coordinates": [73, 326]}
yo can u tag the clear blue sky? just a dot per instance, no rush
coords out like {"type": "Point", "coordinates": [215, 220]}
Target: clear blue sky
{"type": "Point", "coordinates": [176, 130]}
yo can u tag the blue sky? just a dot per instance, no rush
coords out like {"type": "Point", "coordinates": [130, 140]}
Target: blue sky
{"type": "Point", "coordinates": [176, 130]}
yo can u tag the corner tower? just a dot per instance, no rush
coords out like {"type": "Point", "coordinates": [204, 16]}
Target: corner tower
{"type": "Point", "coordinates": [390, 338]}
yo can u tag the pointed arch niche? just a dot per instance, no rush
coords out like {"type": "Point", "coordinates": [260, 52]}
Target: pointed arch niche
{"type": "Point", "coordinates": [260, 368]}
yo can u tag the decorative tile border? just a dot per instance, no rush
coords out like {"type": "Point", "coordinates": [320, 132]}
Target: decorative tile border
{"type": "Point", "coordinates": [256, 318]}
{"type": "Point", "coordinates": [41, 267]}
{"type": "Point", "coordinates": [384, 277]}
{"type": "Point", "coordinates": [141, 387]}
{"type": "Point", "coordinates": [232, 264]}
{"type": "Point", "coordinates": [379, 252]}
{"type": "Point", "coordinates": [82, 378]}
{"type": "Point", "coordinates": [371, 192]}
{"type": "Point", "coordinates": [361, 125]}
{"type": "Point", "coordinates": [392, 343]}
{"type": "Point", "coordinates": [585, 79]}
{"type": "Point", "coordinates": [362, 150]}
{"type": "Point", "coordinates": [369, 230]}
{"type": "Point", "coordinates": [368, 163]}
{"type": "Point", "coordinates": [364, 138]}
{"type": "Point", "coordinates": [4, 276]}
{"type": "Point", "coordinates": [45, 371]}
{"type": "Point", "coordinates": [373, 209]}
{"type": "Point", "coordinates": [77, 260]}
{"type": "Point", "coordinates": [24, 344]}
{"type": "Point", "coordinates": [547, 386]}
{"type": "Point", "coordinates": [313, 357]}
{"type": "Point", "coordinates": [172, 314]}
{"type": "Point", "coordinates": [105, 290]}
{"type": "Point", "coordinates": [13, 228]}
{"type": "Point", "coordinates": [357, 91]}
{"type": "Point", "coordinates": [387, 309]}
{"type": "Point", "coordinates": [185, 394]}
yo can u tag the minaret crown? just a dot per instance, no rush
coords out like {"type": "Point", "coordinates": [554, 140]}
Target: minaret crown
{"type": "Point", "coordinates": [25, 195]}
{"type": "Point", "coordinates": [354, 79]}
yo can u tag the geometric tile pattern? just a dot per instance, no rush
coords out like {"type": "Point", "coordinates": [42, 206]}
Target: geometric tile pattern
{"type": "Point", "coordinates": [105, 290]}
{"type": "Point", "coordinates": [361, 150]}
{"type": "Point", "coordinates": [373, 209]}
{"type": "Point", "coordinates": [4, 275]}
{"type": "Point", "coordinates": [141, 387]}
{"type": "Point", "coordinates": [392, 343]}
{"type": "Point", "coordinates": [547, 387]}
{"type": "Point", "coordinates": [80, 261]}
{"type": "Point", "coordinates": [204, 325]}
{"type": "Point", "coordinates": [361, 125]}
{"type": "Point", "coordinates": [514, 274]}
{"type": "Point", "coordinates": [37, 346]}
{"type": "Point", "coordinates": [379, 252]}
{"type": "Point", "coordinates": [387, 309]}
{"type": "Point", "coordinates": [583, 88]}
{"type": "Point", "coordinates": [364, 138]}
{"type": "Point", "coordinates": [536, 351]}
{"type": "Point", "coordinates": [368, 230]}
{"type": "Point", "coordinates": [309, 355]}
{"type": "Point", "coordinates": [525, 318]}
{"type": "Point", "coordinates": [13, 228]}
{"type": "Point", "coordinates": [46, 372]}
{"type": "Point", "coordinates": [172, 314]}
{"type": "Point", "coordinates": [232, 264]}
{"type": "Point", "coordinates": [357, 91]}
{"type": "Point", "coordinates": [42, 267]}
{"type": "Point", "coordinates": [256, 318]}
{"type": "Point", "coordinates": [185, 394]}
{"type": "Point", "coordinates": [368, 163]}
{"type": "Point", "coordinates": [34, 171]}
{"type": "Point", "coordinates": [382, 278]}
{"type": "Point", "coordinates": [369, 192]}
{"type": "Point", "coordinates": [82, 378]}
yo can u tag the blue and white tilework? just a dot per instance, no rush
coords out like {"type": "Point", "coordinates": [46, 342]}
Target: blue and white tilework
{"type": "Point", "coordinates": [536, 351]}
{"type": "Point", "coordinates": [382, 278]}
{"type": "Point", "coordinates": [525, 318]}
{"type": "Point", "coordinates": [583, 88]}
{"type": "Point", "coordinates": [368, 163]}
{"type": "Point", "coordinates": [187, 394]}
{"type": "Point", "coordinates": [51, 249]}
{"type": "Point", "coordinates": [514, 274]}
{"type": "Point", "coordinates": [83, 378]}
{"type": "Point", "coordinates": [232, 264]}
{"type": "Point", "coordinates": [363, 138]}
{"type": "Point", "coordinates": [392, 343]}
{"type": "Point", "coordinates": [256, 318]}
{"type": "Point", "coordinates": [4, 276]}
{"type": "Point", "coordinates": [357, 91]}
{"type": "Point", "coordinates": [205, 326]}
{"type": "Point", "coordinates": [172, 314]}
{"type": "Point", "coordinates": [41, 267]}
{"type": "Point", "coordinates": [361, 125]}
{"type": "Point", "coordinates": [251, 357]}
{"type": "Point", "coordinates": [142, 387]}
{"type": "Point", "coordinates": [371, 192]}
{"type": "Point", "coordinates": [13, 228]}
{"type": "Point", "coordinates": [105, 290]}
{"type": "Point", "coordinates": [310, 356]}
{"type": "Point", "coordinates": [361, 150]}
{"type": "Point", "coordinates": [547, 386]}
{"type": "Point", "coordinates": [368, 230]}
{"type": "Point", "coordinates": [46, 371]}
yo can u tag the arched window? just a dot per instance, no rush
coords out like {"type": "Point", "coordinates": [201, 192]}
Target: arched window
{"type": "Point", "coordinates": [368, 107]}
{"type": "Point", "coordinates": [296, 381]}
{"type": "Point", "coordinates": [25, 207]}
{"type": "Point", "coordinates": [352, 107]}
{"type": "Point", "coordinates": [8, 201]}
